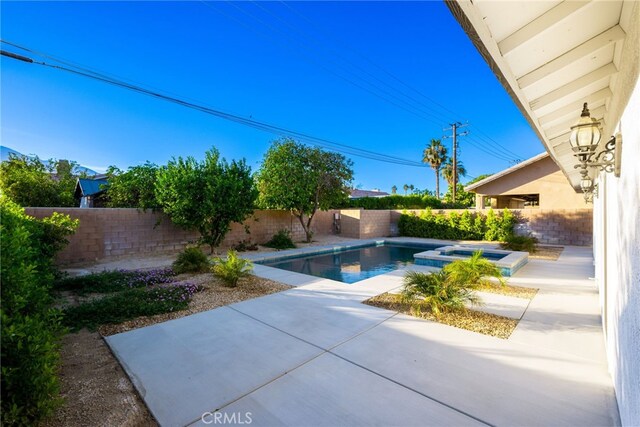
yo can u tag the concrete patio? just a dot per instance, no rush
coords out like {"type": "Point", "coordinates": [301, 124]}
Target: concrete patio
{"type": "Point", "coordinates": [315, 355]}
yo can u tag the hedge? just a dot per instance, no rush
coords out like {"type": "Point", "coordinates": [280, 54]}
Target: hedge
{"type": "Point", "coordinates": [395, 202]}
{"type": "Point", "coordinates": [30, 327]}
{"type": "Point", "coordinates": [456, 226]}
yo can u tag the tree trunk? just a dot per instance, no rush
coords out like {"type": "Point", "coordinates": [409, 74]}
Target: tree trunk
{"type": "Point", "coordinates": [306, 226]}
{"type": "Point", "coordinates": [438, 183]}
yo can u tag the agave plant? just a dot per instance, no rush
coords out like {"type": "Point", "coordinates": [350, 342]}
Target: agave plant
{"type": "Point", "coordinates": [438, 291]}
{"type": "Point", "coordinates": [474, 271]}
{"type": "Point", "coordinates": [231, 269]}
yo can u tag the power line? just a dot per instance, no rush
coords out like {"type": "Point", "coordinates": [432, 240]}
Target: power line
{"type": "Point", "coordinates": [334, 146]}
{"type": "Point", "coordinates": [489, 140]}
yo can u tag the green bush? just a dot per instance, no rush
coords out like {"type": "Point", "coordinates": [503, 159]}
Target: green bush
{"type": "Point", "coordinates": [30, 328]}
{"type": "Point", "coordinates": [115, 281]}
{"type": "Point", "coordinates": [395, 201]}
{"type": "Point", "coordinates": [191, 260]}
{"type": "Point", "coordinates": [473, 271]}
{"type": "Point", "coordinates": [520, 243]}
{"type": "Point", "coordinates": [281, 240]}
{"type": "Point", "coordinates": [245, 245]}
{"type": "Point", "coordinates": [454, 226]}
{"type": "Point", "coordinates": [437, 291]}
{"type": "Point", "coordinates": [129, 304]}
{"type": "Point", "coordinates": [452, 287]}
{"type": "Point", "coordinates": [231, 269]}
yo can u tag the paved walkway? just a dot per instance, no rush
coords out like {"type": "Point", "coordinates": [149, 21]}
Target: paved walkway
{"type": "Point", "coordinates": [314, 356]}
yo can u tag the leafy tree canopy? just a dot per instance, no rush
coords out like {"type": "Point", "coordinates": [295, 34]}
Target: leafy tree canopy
{"type": "Point", "coordinates": [206, 196]}
{"type": "Point", "coordinates": [134, 188]}
{"type": "Point", "coordinates": [28, 181]}
{"type": "Point", "coordinates": [303, 180]}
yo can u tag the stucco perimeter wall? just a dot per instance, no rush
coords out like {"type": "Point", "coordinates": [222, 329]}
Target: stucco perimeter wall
{"type": "Point", "coordinates": [550, 226]}
{"type": "Point", "coordinates": [617, 251]}
{"type": "Point", "coordinates": [105, 233]}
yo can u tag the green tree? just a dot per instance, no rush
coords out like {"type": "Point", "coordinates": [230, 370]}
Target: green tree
{"type": "Point", "coordinates": [303, 180]}
{"type": "Point", "coordinates": [435, 155]}
{"type": "Point", "coordinates": [447, 171]}
{"type": "Point", "coordinates": [134, 188]}
{"type": "Point", "coordinates": [28, 181]}
{"type": "Point", "coordinates": [406, 188]}
{"type": "Point", "coordinates": [394, 190]}
{"type": "Point", "coordinates": [206, 196]}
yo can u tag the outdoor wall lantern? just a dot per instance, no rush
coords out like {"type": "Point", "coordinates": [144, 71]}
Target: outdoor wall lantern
{"type": "Point", "coordinates": [585, 138]}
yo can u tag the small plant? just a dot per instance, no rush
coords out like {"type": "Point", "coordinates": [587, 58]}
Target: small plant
{"type": "Point", "coordinates": [246, 245]}
{"type": "Point", "coordinates": [129, 304]}
{"type": "Point", "coordinates": [438, 291]}
{"type": "Point", "coordinates": [281, 240]}
{"type": "Point", "coordinates": [115, 281]}
{"type": "Point", "coordinates": [231, 269]}
{"type": "Point", "coordinates": [520, 243]}
{"type": "Point", "coordinates": [473, 271]}
{"type": "Point", "coordinates": [191, 260]}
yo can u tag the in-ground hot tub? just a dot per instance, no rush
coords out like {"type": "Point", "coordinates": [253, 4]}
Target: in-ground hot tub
{"type": "Point", "coordinates": [508, 261]}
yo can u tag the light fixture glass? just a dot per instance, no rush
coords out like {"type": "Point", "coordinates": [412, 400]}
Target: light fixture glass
{"type": "Point", "coordinates": [586, 183]}
{"type": "Point", "coordinates": [585, 135]}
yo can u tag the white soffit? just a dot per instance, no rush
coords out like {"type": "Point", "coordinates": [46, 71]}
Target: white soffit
{"type": "Point", "coordinates": [551, 56]}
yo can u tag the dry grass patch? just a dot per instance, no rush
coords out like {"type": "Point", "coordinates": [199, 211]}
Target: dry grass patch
{"type": "Point", "coordinates": [471, 320]}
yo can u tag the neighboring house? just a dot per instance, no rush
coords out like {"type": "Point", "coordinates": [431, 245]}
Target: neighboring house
{"type": "Point", "coordinates": [534, 183]}
{"type": "Point", "coordinates": [90, 191]}
{"type": "Point", "coordinates": [358, 194]}
{"type": "Point", "coordinates": [552, 57]}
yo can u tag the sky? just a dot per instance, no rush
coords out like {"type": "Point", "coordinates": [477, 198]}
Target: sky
{"type": "Point", "coordinates": [381, 76]}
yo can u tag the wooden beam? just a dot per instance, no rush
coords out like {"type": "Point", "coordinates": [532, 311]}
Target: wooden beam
{"type": "Point", "coordinates": [573, 115]}
{"type": "Point", "coordinates": [577, 105]}
{"type": "Point", "coordinates": [573, 86]}
{"type": "Point", "coordinates": [603, 39]}
{"type": "Point", "coordinates": [539, 25]}
{"type": "Point", "coordinates": [565, 127]}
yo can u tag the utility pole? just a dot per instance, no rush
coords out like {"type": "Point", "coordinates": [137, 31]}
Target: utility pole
{"type": "Point", "coordinates": [454, 128]}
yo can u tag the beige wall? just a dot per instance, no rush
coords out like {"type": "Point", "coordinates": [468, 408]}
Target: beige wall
{"type": "Point", "coordinates": [106, 233]}
{"type": "Point", "coordinates": [542, 177]}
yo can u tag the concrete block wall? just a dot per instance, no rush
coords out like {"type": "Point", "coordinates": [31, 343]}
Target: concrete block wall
{"type": "Point", "coordinates": [107, 233]}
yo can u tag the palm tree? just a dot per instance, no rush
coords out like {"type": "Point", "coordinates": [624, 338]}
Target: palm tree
{"type": "Point", "coordinates": [406, 187]}
{"type": "Point", "coordinates": [435, 155]}
{"type": "Point", "coordinates": [412, 187]}
{"type": "Point", "coordinates": [394, 189]}
{"type": "Point", "coordinates": [447, 170]}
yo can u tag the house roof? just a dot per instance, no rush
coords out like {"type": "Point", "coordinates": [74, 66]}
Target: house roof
{"type": "Point", "coordinates": [507, 171]}
{"type": "Point", "coordinates": [357, 194]}
{"type": "Point", "coordinates": [551, 57]}
{"type": "Point", "coordinates": [89, 187]}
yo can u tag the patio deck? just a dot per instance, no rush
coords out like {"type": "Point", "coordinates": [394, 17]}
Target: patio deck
{"type": "Point", "coordinates": [314, 355]}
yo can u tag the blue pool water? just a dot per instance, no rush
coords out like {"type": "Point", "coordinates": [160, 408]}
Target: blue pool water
{"type": "Point", "coordinates": [487, 255]}
{"type": "Point", "coordinates": [353, 265]}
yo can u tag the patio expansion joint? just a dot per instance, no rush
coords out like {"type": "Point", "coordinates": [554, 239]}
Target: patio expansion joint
{"type": "Point", "coordinates": [329, 351]}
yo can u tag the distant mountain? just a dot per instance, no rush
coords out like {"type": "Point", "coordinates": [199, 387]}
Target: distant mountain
{"type": "Point", "coordinates": [5, 152]}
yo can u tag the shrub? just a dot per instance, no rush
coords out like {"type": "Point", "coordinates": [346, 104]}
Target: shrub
{"type": "Point", "coordinates": [520, 243]}
{"type": "Point", "coordinates": [437, 291]}
{"type": "Point", "coordinates": [115, 281]}
{"type": "Point", "coordinates": [473, 271]}
{"type": "Point", "coordinates": [246, 245]}
{"type": "Point", "coordinates": [30, 328]}
{"type": "Point", "coordinates": [191, 260]}
{"type": "Point", "coordinates": [492, 226]}
{"type": "Point", "coordinates": [231, 269]}
{"type": "Point", "coordinates": [395, 201]}
{"type": "Point", "coordinates": [281, 240]}
{"type": "Point", "coordinates": [130, 304]}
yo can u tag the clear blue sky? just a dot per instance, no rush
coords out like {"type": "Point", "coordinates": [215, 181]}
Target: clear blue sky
{"type": "Point", "coordinates": [278, 69]}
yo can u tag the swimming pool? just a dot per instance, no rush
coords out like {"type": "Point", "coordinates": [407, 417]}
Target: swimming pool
{"type": "Point", "coordinates": [353, 265]}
